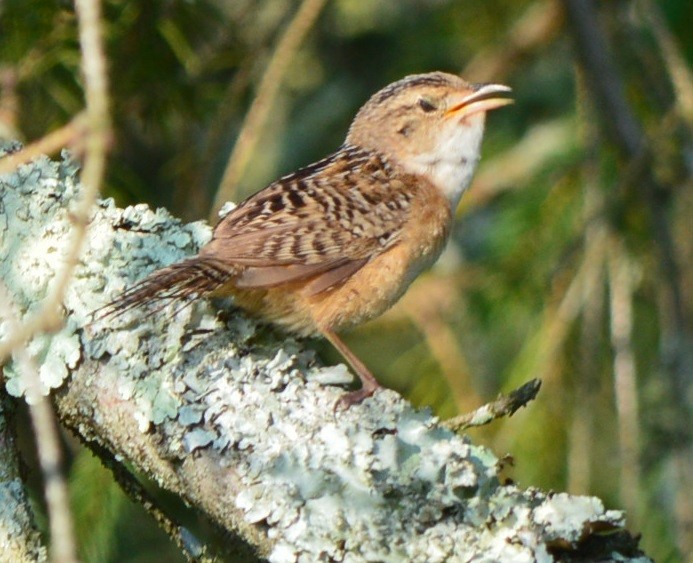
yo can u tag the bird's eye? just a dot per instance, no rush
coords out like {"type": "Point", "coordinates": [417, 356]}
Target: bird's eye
{"type": "Point", "coordinates": [426, 104]}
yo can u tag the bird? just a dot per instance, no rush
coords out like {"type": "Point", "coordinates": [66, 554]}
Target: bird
{"type": "Point", "coordinates": [337, 243]}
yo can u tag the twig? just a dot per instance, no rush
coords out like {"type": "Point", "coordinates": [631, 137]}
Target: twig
{"type": "Point", "coordinates": [625, 386]}
{"type": "Point", "coordinates": [504, 405]}
{"type": "Point", "coordinates": [58, 139]}
{"type": "Point", "coordinates": [45, 425]}
{"type": "Point", "coordinates": [603, 77]}
{"type": "Point", "coordinates": [536, 27]}
{"type": "Point", "coordinates": [97, 123]}
{"type": "Point", "coordinates": [9, 102]}
{"type": "Point", "coordinates": [582, 433]}
{"type": "Point", "coordinates": [262, 104]}
{"type": "Point", "coordinates": [194, 204]}
{"type": "Point", "coordinates": [606, 86]}
{"type": "Point", "coordinates": [98, 127]}
{"type": "Point", "coordinates": [427, 315]}
{"type": "Point", "coordinates": [558, 320]}
{"type": "Point", "coordinates": [679, 72]}
{"type": "Point", "coordinates": [48, 450]}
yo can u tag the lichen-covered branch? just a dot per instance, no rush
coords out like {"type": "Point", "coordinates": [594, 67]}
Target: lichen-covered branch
{"type": "Point", "coordinates": [19, 538]}
{"type": "Point", "coordinates": [239, 421]}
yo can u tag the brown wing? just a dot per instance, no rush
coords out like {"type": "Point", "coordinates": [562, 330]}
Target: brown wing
{"type": "Point", "coordinates": [323, 222]}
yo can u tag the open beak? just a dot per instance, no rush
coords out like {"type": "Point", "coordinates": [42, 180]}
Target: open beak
{"type": "Point", "coordinates": [484, 98]}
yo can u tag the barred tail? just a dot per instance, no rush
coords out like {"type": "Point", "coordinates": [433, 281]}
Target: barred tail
{"type": "Point", "coordinates": [183, 281]}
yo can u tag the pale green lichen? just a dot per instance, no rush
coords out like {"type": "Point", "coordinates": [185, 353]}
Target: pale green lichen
{"type": "Point", "coordinates": [33, 247]}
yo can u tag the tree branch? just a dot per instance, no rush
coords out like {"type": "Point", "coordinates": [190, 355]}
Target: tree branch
{"type": "Point", "coordinates": [240, 424]}
{"type": "Point", "coordinates": [19, 537]}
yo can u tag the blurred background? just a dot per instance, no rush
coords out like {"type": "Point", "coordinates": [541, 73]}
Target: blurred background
{"type": "Point", "coordinates": [571, 259]}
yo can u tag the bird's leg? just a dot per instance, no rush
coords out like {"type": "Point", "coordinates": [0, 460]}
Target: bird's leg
{"type": "Point", "coordinates": [369, 385]}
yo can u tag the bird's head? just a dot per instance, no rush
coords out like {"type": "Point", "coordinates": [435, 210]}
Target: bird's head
{"type": "Point", "coordinates": [430, 124]}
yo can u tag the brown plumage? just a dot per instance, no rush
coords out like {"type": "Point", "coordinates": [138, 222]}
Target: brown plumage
{"type": "Point", "coordinates": [336, 243]}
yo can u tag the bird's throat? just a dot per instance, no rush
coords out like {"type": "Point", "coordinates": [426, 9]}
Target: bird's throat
{"type": "Point", "coordinates": [451, 164]}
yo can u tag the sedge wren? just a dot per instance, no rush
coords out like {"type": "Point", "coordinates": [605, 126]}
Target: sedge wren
{"type": "Point", "coordinates": [338, 242]}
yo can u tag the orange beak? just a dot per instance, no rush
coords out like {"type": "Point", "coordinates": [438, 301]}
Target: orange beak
{"type": "Point", "coordinates": [484, 98]}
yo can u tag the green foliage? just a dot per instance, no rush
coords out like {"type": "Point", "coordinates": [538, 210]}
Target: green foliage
{"type": "Point", "coordinates": [97, 503]}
